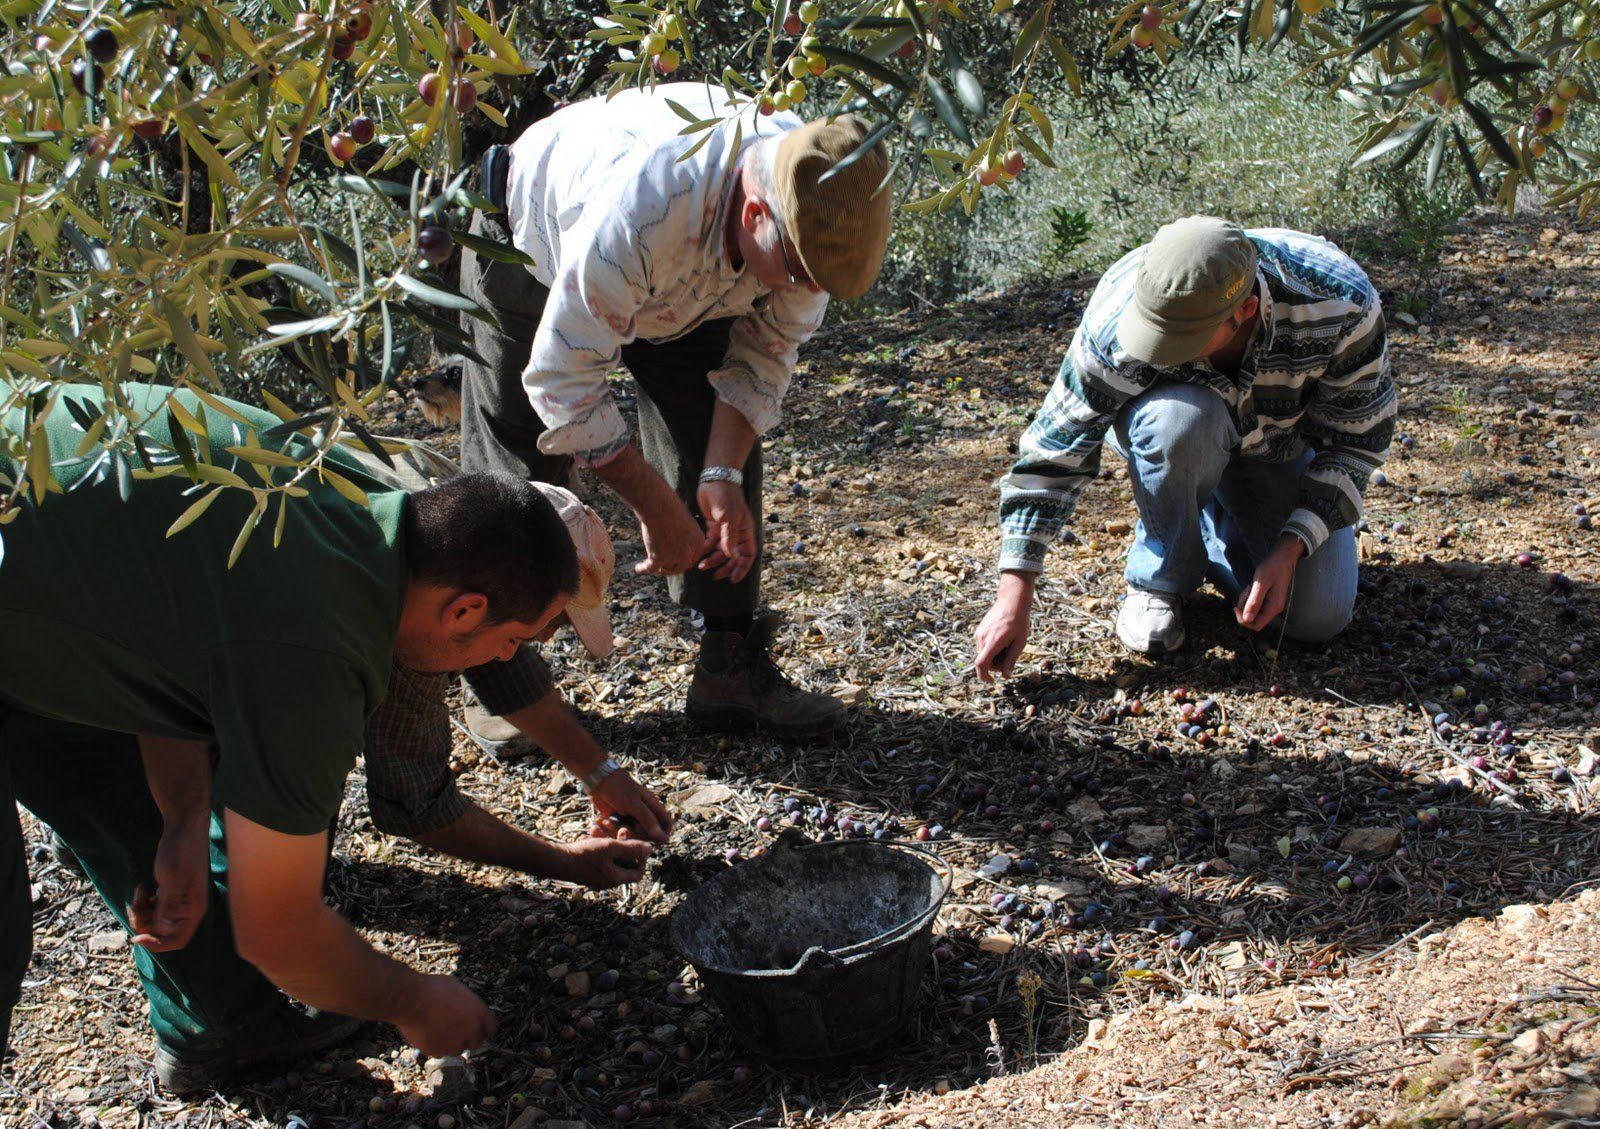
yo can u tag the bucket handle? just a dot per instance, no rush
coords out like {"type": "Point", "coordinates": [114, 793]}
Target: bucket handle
{"type": "Point", "coordinates": [815, 959]}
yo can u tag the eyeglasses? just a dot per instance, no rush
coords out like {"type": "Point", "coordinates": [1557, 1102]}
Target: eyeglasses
{"type": "Point", "coordinates": [796, 278]}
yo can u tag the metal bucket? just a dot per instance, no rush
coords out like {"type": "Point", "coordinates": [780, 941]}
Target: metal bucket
{"type": "Point", "coordinates": [815, 952]}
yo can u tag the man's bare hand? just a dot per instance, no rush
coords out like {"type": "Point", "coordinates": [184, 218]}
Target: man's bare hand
{"type": "Point", "coordinates": [165, 920]}
{"type": "Point", "coordinates": [601, 863]}
{"type": "Point", "coordinates": [629, 810]}
{"type": "Point", "coordinates": [1003, 633]}
{"type": "Point", "coordinates": [673, 540]}
{"type": "Point", "coordinates": [445, 1017]}
{"type": "Point", "coordinates": [1268, 594]}
{"type": "Point", "coordinates": [730, 531]}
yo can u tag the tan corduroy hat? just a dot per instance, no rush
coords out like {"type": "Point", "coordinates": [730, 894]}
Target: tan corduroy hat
{"type": "Point", "coordinates": [1192, 277]}
{"type": "Point", "coordinates": [839, 225]}
{"type": "Point", "coordinates": [586, 610]}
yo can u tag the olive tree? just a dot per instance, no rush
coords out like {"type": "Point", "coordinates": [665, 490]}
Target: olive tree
{"type": "Point", "coordinates": [190, 187]}
{"type": "Point", "coordinates": [1487, 83]}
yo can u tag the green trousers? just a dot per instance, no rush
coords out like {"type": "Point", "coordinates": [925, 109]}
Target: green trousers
{"type": "Point", "coordinates": [89, 786]}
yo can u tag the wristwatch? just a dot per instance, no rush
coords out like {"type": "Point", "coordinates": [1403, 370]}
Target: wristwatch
{"type": "Point", "coordinates": [597, 777]}
{"type": "Point", "coordinates": [723, 474]}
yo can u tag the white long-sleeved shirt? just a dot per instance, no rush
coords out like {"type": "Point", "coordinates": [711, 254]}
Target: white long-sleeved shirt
{"type": "Point", "coordinates": [631, 242]}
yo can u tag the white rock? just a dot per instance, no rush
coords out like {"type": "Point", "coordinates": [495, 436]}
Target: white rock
{"type": "Point", "coordinates": [1094, 1035]}
{"type": "Point", "coordinates": [1520, 917]}
{"type": "Point", "coordinates": [996, 866]}
{"type": "Point", "coordinates": [1530, 1042]}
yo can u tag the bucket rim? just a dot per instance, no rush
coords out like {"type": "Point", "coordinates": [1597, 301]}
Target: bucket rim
{"type": "Point", "coordinates": [791, 840]}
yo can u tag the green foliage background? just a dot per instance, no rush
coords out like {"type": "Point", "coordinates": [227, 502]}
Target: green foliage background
{"type": "Point", "coordinates": [183, 216]}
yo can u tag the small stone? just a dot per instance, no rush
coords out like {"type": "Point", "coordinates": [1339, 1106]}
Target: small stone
{"type": "Point", "coordinates": [109, 941]}
{"type": "Point", "coordinates": [1146, 836]}
{"type": "Point", "coordinates": [701, 1093]}
{"type": "Point", "coordinates": [451, 1078]}
{"type": "Point", "coordinates": [577, 984]}
{"type": "Point", "coordinates": [1448, 1065]}
{"type": "Point", "coordinates": [1094, 1036]}
{"type": "Point", "coordinates": [1370, 841]}
{"type": "Point", "coordinates": [997, 944]}
{"type": "Point", "coordinates": [1530, 1042]}
{"type": "Point", "coordinates": [996, 866]}
{"type": "Point", "coordinates": [852, 695]}
{"type": "Point", "coordinates": [1086, 809]}
{"type": "Point", "coordinates": [703, 800]}
{"type": "Point", "coordinates": [1521, 917]}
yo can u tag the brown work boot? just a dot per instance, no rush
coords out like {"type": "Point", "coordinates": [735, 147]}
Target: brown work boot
{"type": "Point", "coordinates": [495, 735]}
{"type": "Point", "coordinates": [737, 685]}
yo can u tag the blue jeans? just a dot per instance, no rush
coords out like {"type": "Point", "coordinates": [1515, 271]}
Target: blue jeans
{"type": "Point", "coordinates": [1206, 512]}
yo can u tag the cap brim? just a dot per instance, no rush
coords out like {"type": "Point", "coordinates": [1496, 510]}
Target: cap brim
{"type": "Point", "coordinates": [1142, 340]}
{"type": "Point", "coordinates": [593, 626]}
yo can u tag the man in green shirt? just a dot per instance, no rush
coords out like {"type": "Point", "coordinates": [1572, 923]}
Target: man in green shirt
{"type": "Point", "coordinates": [115, 632]}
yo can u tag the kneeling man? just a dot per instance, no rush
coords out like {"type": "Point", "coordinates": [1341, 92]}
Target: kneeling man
{"type": "Point", "coordinates": [1245, 377]}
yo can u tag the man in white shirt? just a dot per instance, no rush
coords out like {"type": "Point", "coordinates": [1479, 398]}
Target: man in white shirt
{"type": "Point", "coordinates": [703, 274]}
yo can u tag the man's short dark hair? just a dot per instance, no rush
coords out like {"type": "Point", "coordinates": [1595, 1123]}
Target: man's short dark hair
{"type": "Point", "coordinates": [492, 533]}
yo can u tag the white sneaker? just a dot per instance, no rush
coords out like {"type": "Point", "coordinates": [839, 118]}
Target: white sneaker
{"type": "Point", "coordinates": [1150, 622]}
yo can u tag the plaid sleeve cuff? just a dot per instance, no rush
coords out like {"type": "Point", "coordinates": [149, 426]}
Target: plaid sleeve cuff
{"type": "Point", "coordinates": [410, 788]}
{"type": "Point", "coordinates": [429, 813]}
{"type": "Point", "coordinates": [505, 687]}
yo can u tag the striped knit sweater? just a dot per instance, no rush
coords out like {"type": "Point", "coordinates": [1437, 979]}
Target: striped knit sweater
{"type": "Point", "coordinates": [1316, 375]}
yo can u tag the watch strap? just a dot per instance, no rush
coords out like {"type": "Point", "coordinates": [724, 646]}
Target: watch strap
{"type": "Point", "coordinates": [606, 768]}
{"type": "Point", "coordinates": [723, 474]}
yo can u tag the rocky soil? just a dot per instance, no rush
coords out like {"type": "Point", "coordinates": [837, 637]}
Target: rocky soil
{"type": "Point", "coordinates": [1322, 886]}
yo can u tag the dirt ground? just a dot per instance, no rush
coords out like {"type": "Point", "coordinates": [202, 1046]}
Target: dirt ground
{"type": "Point", "coordinates": [1346, 902]}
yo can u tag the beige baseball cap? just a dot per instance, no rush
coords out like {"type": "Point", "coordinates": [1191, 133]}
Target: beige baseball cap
{"type": "Point", "coordinates": [586, 610]}
{"type": "Point", "coordinates": [1192, 277]}
{"type": "Point", "coordinates": [840, 225]}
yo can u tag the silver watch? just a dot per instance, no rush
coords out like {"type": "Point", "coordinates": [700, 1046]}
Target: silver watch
{"type": "Point", "coordinates": [598, 776]}
{"type": "Point", "coordinates": [723, 474]}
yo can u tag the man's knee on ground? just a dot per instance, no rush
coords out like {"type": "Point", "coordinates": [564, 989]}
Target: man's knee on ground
{"type": "Point", "coordinates": [1184, 425]}
{"type": "Point", "coordinates": [1318, 623]}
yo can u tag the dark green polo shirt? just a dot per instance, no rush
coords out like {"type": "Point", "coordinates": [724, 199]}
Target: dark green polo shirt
{"type": "Point", "coordinates": [106, 621]}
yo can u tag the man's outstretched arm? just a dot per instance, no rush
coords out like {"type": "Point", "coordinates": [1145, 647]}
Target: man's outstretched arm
{"type": "Point", "coordinates": [596, 862]}
{"type": "Point", "coordinates": [282, 926]}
